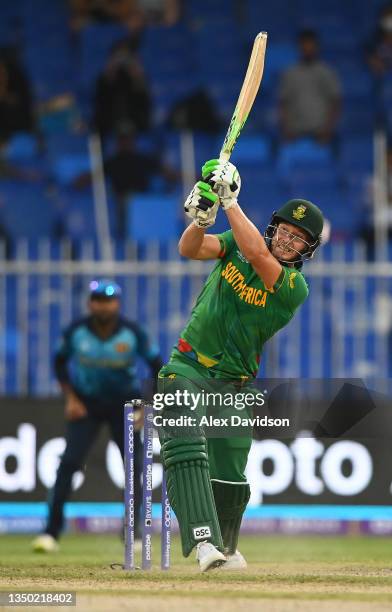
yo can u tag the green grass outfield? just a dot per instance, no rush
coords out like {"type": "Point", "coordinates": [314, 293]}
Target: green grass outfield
{"type": "Point", "coordinates": [285, 573]}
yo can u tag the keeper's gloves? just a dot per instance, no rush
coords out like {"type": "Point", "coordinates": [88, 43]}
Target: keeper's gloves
{"type": "Point", "coordinates": [202, 205]}
{"type": "Point", "coordinates": [225, 181]}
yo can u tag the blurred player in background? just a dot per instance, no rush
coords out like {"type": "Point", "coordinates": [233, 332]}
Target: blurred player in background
{"type": "Point", "coordinates": [253, 291]}
{"type": "Point", "coordinates": [95, 366]}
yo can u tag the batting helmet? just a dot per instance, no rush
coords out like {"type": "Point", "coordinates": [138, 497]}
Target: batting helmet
{"type": "Point", "coordinates": [303, 214]}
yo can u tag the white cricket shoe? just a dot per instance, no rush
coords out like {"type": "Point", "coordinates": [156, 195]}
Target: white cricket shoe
{"type": "Point", "coordinates": [45, 543]}
{"type": "Point", "coordinates": [235, 562]}
{"type": "Point", "coordinates": [208, 556]}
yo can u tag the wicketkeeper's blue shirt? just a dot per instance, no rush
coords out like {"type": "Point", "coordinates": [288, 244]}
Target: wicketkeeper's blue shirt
{"type": "Point", "coordinates": [104, 371]}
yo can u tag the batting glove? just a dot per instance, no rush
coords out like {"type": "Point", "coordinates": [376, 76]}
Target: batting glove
{"type": "Point", "coordinates": [225, 180]}
{"type": "Point", "coordinates": [202, 205]}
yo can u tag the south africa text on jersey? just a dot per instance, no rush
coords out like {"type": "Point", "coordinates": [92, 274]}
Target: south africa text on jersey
{"type": "Point", "coordinates": [251, 295]}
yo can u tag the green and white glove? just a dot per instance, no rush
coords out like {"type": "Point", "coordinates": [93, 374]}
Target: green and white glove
{"type": "Point", "coordinates": [225, 180]}
{"type": "Point", "coordinates": [202, 205]}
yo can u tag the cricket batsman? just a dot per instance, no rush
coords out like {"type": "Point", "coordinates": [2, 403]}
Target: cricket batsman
{"type": "Point", "coordinates": [253, 291]}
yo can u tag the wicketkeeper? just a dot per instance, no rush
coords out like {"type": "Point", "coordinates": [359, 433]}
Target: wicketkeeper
{"type": "Point", "coordinates": [253, 291]}
{"type": "Point", "coordinates": [95, 365]}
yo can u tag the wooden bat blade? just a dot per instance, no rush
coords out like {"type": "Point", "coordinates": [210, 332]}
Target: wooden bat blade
{"type": "Point", "coordinates": [247, 96]}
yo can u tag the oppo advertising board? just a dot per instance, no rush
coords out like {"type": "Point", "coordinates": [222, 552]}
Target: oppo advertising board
{"type": "Point", "coordinates": [297, 472]}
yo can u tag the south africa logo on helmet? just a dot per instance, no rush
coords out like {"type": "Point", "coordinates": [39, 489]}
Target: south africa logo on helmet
{"type": "Point", "coordinates": [303, 214]}
{"type": "Point", "coordinates": [299, 212]}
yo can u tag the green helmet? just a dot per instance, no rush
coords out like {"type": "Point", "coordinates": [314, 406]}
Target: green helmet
{"type": "Point", "coordinates": [302, 214]}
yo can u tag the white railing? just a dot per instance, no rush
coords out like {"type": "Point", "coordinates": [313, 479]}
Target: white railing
{"type": "Point", "coordinates": [341, 331]}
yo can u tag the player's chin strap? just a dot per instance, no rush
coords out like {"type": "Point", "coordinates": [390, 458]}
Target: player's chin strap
{"type": "Point", "coordinates": [296, 263]}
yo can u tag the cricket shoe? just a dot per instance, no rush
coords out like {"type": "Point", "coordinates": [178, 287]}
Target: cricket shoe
{"type": "Point", "coordinates": [235, 562]}
{"type": "Point", "coordinates": [208, 556]}
{"type": "Point", "coordinates": [45, 543]}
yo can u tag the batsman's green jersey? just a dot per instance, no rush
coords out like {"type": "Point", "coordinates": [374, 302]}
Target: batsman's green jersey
{"type": "Point", "coordinates": [235, 314]}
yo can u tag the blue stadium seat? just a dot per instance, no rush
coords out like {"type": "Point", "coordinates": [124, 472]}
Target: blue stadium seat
{"type": "Point", "coordinates": [252, 149]}
{"type": "Point", "coordinates": [206, 146]}
{"type": "Point", "coordinates": [322, 175]}
{"type": "Point", "coordinates": [312, 180]}
{"type": "Point", "coordinates": [262, 192]}
{"type": "Point", "coordinates": [49, 65]}
{"type": "Point", "coordinates": [67, 156]}
{"type": "Point", "coordinates": [66, 168]}
{"type": "Point", "coordinates": [357, 154]}
{"type": "Point", "coordinates": [78, 215]}
{"type": "Point", "coordinates": [279, 57]}
{"type": "Point", "coordinates": [221, 40]}
{"type": "Point", "coordinates": [357, 83]}
{"type": "Point", "coordinates": [167, 58]}
{"type": "Point", "coordinates": [96, 41]}
{"type": "Point", "coordinates": [277, 18]}
{"type": "Point", "coordinates": [47, 48]}
{"type": "Point", "coordinates": [21, 147]}
{"type": "Point", "coordinates": [339, 210]}
{"type": "Point", "coordinates": [209, 10]}
{"type": "Point", "coordinates": [300, 152]}
{"type": "Point", "coordinates": [358, 118]}
{"type": "Point", "coordinates": [169, 38]}
{"type": "Point", "coordinates": [153, 217]}
{"type": "Point", "coordinates": [223, 91]}
{"type": "Point", "coordinates": [28, 209]}
{"type": "Point", "coordinates": [65, 143]}
{"type": "Point", "coordinates": [358, 185]}
{"type": "Point", "coordinates": [10, 26]}
{"type": "Point", "coordinates": [10, 342]}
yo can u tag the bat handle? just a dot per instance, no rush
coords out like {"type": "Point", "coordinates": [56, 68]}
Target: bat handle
{"type": "Point", "coordinates": [224, 156]}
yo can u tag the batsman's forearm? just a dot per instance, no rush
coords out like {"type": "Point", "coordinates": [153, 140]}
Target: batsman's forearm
{"type": "Point", "coordinates": [246, 234]}
{"type": "Point", "coordinates": [191, 241]}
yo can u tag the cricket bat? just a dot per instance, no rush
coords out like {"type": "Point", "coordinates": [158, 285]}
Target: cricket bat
{"type": "Point", "coordinates": [247, 96]}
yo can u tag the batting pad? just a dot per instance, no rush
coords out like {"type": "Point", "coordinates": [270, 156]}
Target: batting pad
{"type": "Point", "coordinates": [231, 500]}
{"type": "Point", "coordinates": [190, 492]}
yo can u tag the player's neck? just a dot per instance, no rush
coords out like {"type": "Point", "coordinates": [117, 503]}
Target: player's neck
{"type": "Point", "coordinates": [104, 329]}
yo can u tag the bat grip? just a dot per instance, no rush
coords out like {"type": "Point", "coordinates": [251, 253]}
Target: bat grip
{"type": "Point", "coordinates": [224, 156]}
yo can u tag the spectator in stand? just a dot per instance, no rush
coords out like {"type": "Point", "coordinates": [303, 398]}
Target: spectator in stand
{"type": "Point", "coordinates": [196, 112]}
{"type": "Point", "coordinates": [380, 50]}
{"type": "Point", "coordinates": [309, 95]}
{"type": "Point", "coordinates": [16, 105]}
{"type": "Point", "coordinates": [165, 12]}
{"type": "Point", "coordinates": [84, 11]}
{"type": "Point", "coordinates": [129, 171]}
{"type": "Point", "coordinates": [121, 93]}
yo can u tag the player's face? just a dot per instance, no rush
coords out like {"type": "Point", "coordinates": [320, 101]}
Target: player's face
{"type": "Point", "coordinates": [104, 309]}
{"type": "Point", "coordinates": [309, 49]}
{"type": "Point", "coordinates": [289, 242]}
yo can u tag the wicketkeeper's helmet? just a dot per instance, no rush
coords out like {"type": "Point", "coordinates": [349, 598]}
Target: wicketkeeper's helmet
{"type": "Point", "coordinates": [104, 288]}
